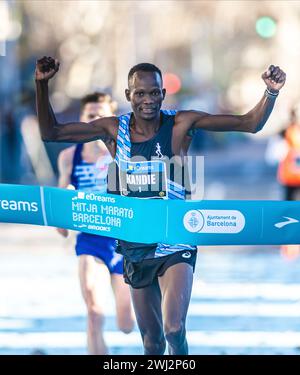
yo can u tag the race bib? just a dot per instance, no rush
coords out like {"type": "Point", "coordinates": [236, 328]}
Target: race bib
{"type": "Point", "coordinates": [144, 179]}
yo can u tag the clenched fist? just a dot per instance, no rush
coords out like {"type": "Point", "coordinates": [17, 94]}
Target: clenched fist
{"type": "Point", "coordinates": [274, 78]}
{"type": "Point", "coordinates": [46, 68]}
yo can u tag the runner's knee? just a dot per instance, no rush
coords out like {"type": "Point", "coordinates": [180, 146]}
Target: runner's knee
{"type": "Point", "coordinates": [154, 345]}
{"type": "Point", "coordinates": [174, 333]}
{"type": "Point", "coordinates": [94, 310]}
{"type": "Point", "coordinates": [126, 328]}
{"type": "Point", "coordinates": [125, 324]}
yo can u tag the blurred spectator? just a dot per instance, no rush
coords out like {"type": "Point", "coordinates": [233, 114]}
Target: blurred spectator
{"type": "Point", "coordinates": [288, 173]}
{"type": "Point", "coordinates": [289, 167]}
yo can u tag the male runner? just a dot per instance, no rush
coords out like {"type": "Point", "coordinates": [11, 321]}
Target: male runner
{"type": "Point", "coordinates": [85, 168]}
{"type": "Point", "coordinates": [160, 275]}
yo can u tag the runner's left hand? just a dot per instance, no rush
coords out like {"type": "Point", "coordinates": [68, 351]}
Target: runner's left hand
{"type": "Point", "coordinates": [274, 78]}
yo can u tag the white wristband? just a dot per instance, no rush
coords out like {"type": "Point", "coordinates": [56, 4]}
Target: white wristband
{"type": "Point", "coordinates": [271, 94]}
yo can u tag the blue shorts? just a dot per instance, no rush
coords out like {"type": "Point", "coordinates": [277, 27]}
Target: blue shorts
{"type": "Point", "coordinates": [100, 247]}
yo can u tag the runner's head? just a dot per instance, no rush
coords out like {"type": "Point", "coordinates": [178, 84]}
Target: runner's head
{"type": "Point", "coordinates": [145, 91]}
{"type": "Point", "coordinates": [98, 104]}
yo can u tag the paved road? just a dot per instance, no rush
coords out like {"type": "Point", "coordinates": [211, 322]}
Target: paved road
{"type": "Point", "coordinates": [244, 301]}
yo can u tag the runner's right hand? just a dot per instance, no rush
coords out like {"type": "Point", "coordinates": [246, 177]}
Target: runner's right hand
{"type": "Point", "coordinates": [63, 232]}
{"type": "Point", "coordinates": [46, 68]}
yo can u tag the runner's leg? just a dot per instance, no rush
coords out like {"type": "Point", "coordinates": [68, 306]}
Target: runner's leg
{"type": "Point", "coordinates": [125, 316]}
{"type": "Point", "coordinates": [176, 286]}
{"type": "Point", "coordinates": [147, 307]}
{"type": "Point", "coordinates": [94, 281]}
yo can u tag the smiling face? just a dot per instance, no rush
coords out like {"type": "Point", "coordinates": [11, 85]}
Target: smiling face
{"type": "Point", "coordinates": [145, 93]}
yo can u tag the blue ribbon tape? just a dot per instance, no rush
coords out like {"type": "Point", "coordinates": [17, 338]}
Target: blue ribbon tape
{"type": "Point", "coordinates": [153, 220]}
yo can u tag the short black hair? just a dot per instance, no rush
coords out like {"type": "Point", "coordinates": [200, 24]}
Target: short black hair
{"type": "Point", "coordinates": [144, 67]}
{"type": "Point", "coordinates": [97, 97]}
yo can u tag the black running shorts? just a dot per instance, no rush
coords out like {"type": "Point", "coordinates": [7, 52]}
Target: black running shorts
{"type": "Point", "coordinates": [142, 274]}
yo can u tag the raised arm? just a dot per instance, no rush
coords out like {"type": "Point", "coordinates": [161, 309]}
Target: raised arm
{"type": "Point", "coordinates": [251, 122]}
{"type": "Point", "coordinates": [65, 165]}
{"type": "Point", "coordinates": [51, 130]}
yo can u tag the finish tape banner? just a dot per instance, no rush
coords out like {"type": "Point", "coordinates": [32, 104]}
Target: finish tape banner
{"type": "Point", "coordinates": [153, 220]}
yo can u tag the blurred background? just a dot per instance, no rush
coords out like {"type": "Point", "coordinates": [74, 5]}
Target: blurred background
{"type": "Point", "coordinates": [212, 53]}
